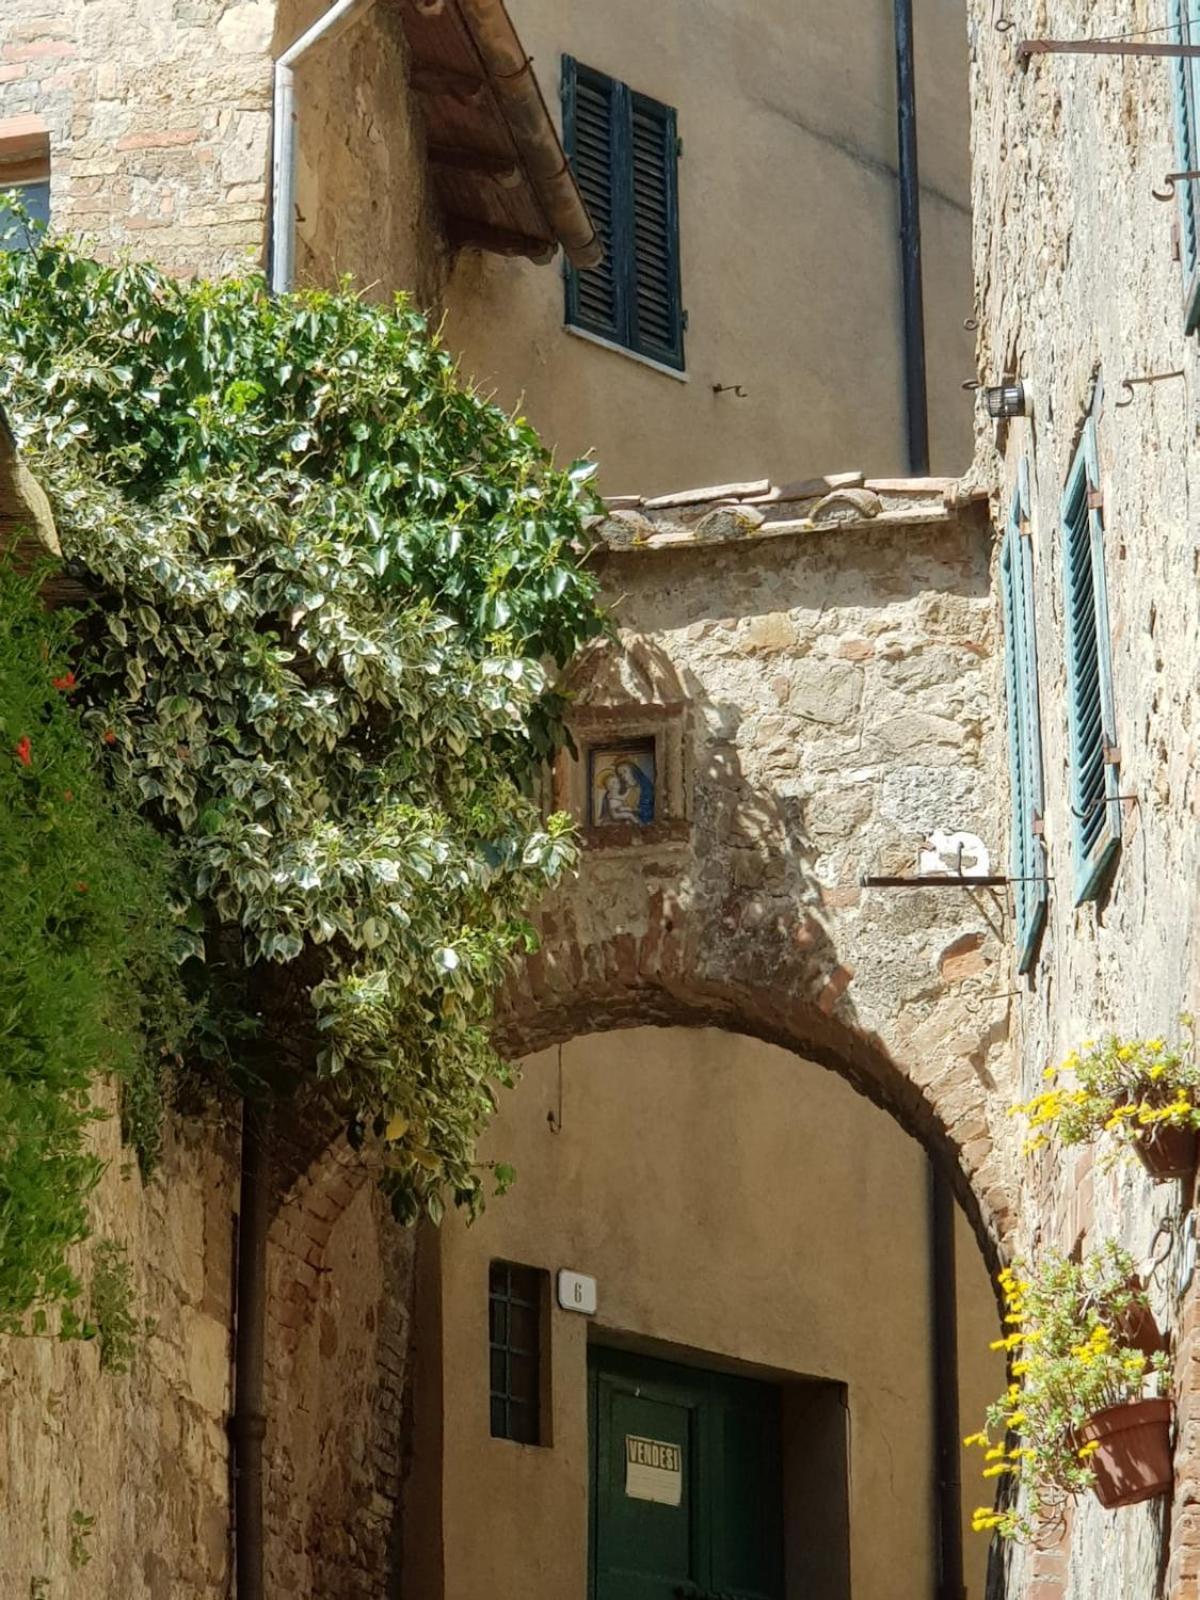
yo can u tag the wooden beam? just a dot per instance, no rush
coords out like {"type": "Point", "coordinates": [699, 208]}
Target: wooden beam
{"type": "Point", "coordinates": [468, 234]}
{"type": "Point", "coordinates": [436, 81]}
{"type": "Point", "coordinates": [478, 163]}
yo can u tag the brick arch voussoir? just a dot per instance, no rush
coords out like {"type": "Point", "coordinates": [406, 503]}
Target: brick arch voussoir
{"type": "Point", "coordinates": [660, 979]}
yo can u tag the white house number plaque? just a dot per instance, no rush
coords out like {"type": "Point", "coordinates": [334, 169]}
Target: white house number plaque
{"type": "Point", "coordinates": [653, 1470]}
{"type": "Point", "coordinates": [577, 1292]}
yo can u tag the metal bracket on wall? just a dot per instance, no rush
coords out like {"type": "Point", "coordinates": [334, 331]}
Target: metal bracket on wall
{"type": "Point", "coordinates": [918, 881]}
{"type": "Point", "coordinates": [1171, 179]}
{"type": "Point", "coordinates": [1127, 384]}
{"type": "Point", "coordinates": [1027, 48]}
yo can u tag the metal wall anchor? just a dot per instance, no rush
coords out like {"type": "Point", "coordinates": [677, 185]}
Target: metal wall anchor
{"type": "Point", "coordinates": [1128, 396]}
{"type": "Point", "coordinates": [1171, 179]}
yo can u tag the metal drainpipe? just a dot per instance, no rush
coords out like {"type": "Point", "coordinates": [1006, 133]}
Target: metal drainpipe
{"type": "Point", "coordinates": [944, 1294]}
{"type": "Point", "coordinates": [916, 396]}
{"type": "Point", "coordinates": [249, 1416]}
{"type": "Point", "coordinates": [283, 142]}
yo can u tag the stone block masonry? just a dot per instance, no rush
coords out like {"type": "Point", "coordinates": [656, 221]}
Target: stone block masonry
{"type": "Point", "coordinates": [159, 120]}
{"type": "Point", "coordinates": [1079, 287]}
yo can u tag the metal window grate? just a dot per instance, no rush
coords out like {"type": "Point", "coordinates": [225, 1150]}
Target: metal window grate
{"type": "Point", "coordinates": [515, 1297]}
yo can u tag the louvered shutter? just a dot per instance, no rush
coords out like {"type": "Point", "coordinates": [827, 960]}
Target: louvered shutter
{"type": "Point", "coordinates": [1185, 84]}
{"type": "Point", "coordinates": [1024, 728]}
{"type": "Point", "coordinates": [656, 299]}
{"type": "Point", "coordinates": [624, 152]}
{"type": "Point", "coordinates": [1096, 811]}
{"type": "Point", "coordinates": [591, 116]}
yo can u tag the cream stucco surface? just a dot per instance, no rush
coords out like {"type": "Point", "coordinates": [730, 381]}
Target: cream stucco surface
{"type": "Point", "coordinates": [733, 1202]}
{"type": "Point", "coordinates": [791, 274]}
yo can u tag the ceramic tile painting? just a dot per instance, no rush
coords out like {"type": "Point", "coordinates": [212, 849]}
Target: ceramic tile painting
{"type": "Point", "coordinates": [622, 785]}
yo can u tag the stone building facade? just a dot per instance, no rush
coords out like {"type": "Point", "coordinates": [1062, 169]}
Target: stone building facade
{"type": "Point", "coordinates": [1079, 288]}
{"type": "Point", "coordinates": [818, 669]}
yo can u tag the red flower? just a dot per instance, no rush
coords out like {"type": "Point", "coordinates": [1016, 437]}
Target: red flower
{"type": "Point", "coordinates": [81, 887]}
{"type": "Point", "coordinates": [24, 750]}
{"type": "Point", "coordinates": [64, 684]}
{"type": "Point", "coordinates": [109, 736]}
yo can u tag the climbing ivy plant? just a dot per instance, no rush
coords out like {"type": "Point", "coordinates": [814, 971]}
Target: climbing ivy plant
{"type": "Point", "coordinates": [329, 583]}
{"type": "Point", "coordinates": [88, 976]}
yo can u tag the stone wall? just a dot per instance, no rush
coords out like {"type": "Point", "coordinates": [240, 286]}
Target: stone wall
{"type": "Point", "coordinates": [145, 1454]}
{"type": "Point", "coordinates": [817, 667]}
{"type": "Point", "coordinates": [159, 118]}
{"type": "Point", "coordinates": [159, 114]}
{"type": "Point", "coordinates": [1078, 286]}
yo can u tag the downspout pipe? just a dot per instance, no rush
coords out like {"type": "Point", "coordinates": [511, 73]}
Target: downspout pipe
{"type": "Point", "coordinates": [944, 1293]}
{"type": "Point", "coordinates": [284, 141]}
{"type": "Point", "coordinates": [916, 392]}
{"type": "Point", "coordinates": [249, 1424]}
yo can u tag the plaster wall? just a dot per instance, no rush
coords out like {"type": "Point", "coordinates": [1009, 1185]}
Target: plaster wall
{"type": "Point", "coordinates": [1078, 285]}
{"type": "Point", "coordinates": [790, 257]}
{"type": "Point", "coordinates": [364, 204]}
{"type": "Point", "coordinates": [732, 1201]}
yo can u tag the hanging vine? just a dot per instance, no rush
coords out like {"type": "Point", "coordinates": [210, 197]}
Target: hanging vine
{"type": "Point", "coordinates": [329, 581]}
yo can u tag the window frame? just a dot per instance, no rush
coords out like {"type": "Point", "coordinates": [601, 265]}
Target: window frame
{"type": "Point", "coordinates": [1081, 517]}
{"type": "Point", "coordinates": [25, 170]}
{"type": "Point", "coordinates": [1028, 853]}
{"type": "Point", "coordinates": [1185, 101]}
{"type": "Point", "coordinates": [623, 334]}
{"type": "Point", "coordinates": [534, 1403]}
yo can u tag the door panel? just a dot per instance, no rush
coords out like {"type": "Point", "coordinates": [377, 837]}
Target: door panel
{"type": "Point", "coordinates": [645, 1545]}
{"type": "Point", "coordinates": [686, 1482]}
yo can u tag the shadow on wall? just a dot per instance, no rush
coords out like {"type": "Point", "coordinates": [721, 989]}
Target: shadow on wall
{"type": "Point", "coordinates": [832, 704]}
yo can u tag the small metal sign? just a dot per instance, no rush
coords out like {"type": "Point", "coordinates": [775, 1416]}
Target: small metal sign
{"type": "Point", "coordinates": [653, 1470]}
{"type": "Point", "coordinates": [577, 1292]}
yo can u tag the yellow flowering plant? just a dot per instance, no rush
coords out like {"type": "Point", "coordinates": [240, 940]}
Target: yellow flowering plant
{"type": "Point", "coordinates": [1069, 1358]}
{"type": "Point", "coordinates": [1128, 1087]}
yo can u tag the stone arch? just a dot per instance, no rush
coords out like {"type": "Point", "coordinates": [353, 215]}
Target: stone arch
{"type": "Point", "coordinates": [652, 979]}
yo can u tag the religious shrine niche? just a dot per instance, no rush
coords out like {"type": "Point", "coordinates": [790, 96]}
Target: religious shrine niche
{"type": "Point", "coordinates": [626, 784]}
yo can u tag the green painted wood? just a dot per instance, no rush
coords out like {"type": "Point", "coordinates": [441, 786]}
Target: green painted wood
{"type": "Point", "coordinates": [726, 1535]}
{"type": "Point", "coordinates": [623, 148]}
{"type": "Point", "coordinates": [1028, 859]}
{"type": "Point", "coordinates": [1091, 714]}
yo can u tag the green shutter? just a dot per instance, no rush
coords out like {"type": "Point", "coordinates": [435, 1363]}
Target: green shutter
{"type": "Point", "coordinates": [624, 151]}
{"type": "Point", "coordinates": [1095, 808]}
{"type": "Point", "coordinates": [1024, 728]}
{"type": "Point", "coordinates": [1185, 83]}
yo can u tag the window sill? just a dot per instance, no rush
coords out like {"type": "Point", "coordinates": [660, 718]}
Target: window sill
{"type": "Point", "coordinates": [630, 355]}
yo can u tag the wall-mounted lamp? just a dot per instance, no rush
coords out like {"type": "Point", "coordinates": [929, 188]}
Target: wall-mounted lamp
{"type": "Point", "coordinates": [1007, 400]}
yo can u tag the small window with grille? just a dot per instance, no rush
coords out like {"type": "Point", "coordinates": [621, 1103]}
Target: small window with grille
{"type": "Point", "coordinates": [1095, 799]}
{"type": "Point", "coordinates": [624, 149]}
{"type": "Point", "coordinates": [516, 1320]}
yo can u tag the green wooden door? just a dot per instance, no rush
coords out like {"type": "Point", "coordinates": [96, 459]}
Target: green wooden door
{"type": "Point", "coordinates": [686, 1490]}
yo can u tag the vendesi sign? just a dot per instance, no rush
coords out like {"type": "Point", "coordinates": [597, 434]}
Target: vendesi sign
{"type": "Point", "coordinates": [653, 1470]}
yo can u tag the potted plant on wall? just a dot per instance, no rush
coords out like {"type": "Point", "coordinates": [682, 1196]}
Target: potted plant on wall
{"type": "Point", "coordinates": [1145, 1092]}
{"type": "Point", "coordinates": [1085, 1408]}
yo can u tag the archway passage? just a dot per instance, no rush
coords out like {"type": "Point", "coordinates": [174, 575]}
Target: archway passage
{"type": "Point", "coordinates": [626, 981]}
{"type": "Point", "coordinates": [742, 1397]}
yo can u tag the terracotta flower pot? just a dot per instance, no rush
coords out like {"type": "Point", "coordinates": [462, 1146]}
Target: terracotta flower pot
{"type": "Point", "coordinates": [1166, 1152]}
{"type": "Point", "coordinates": [1133, 1461]}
